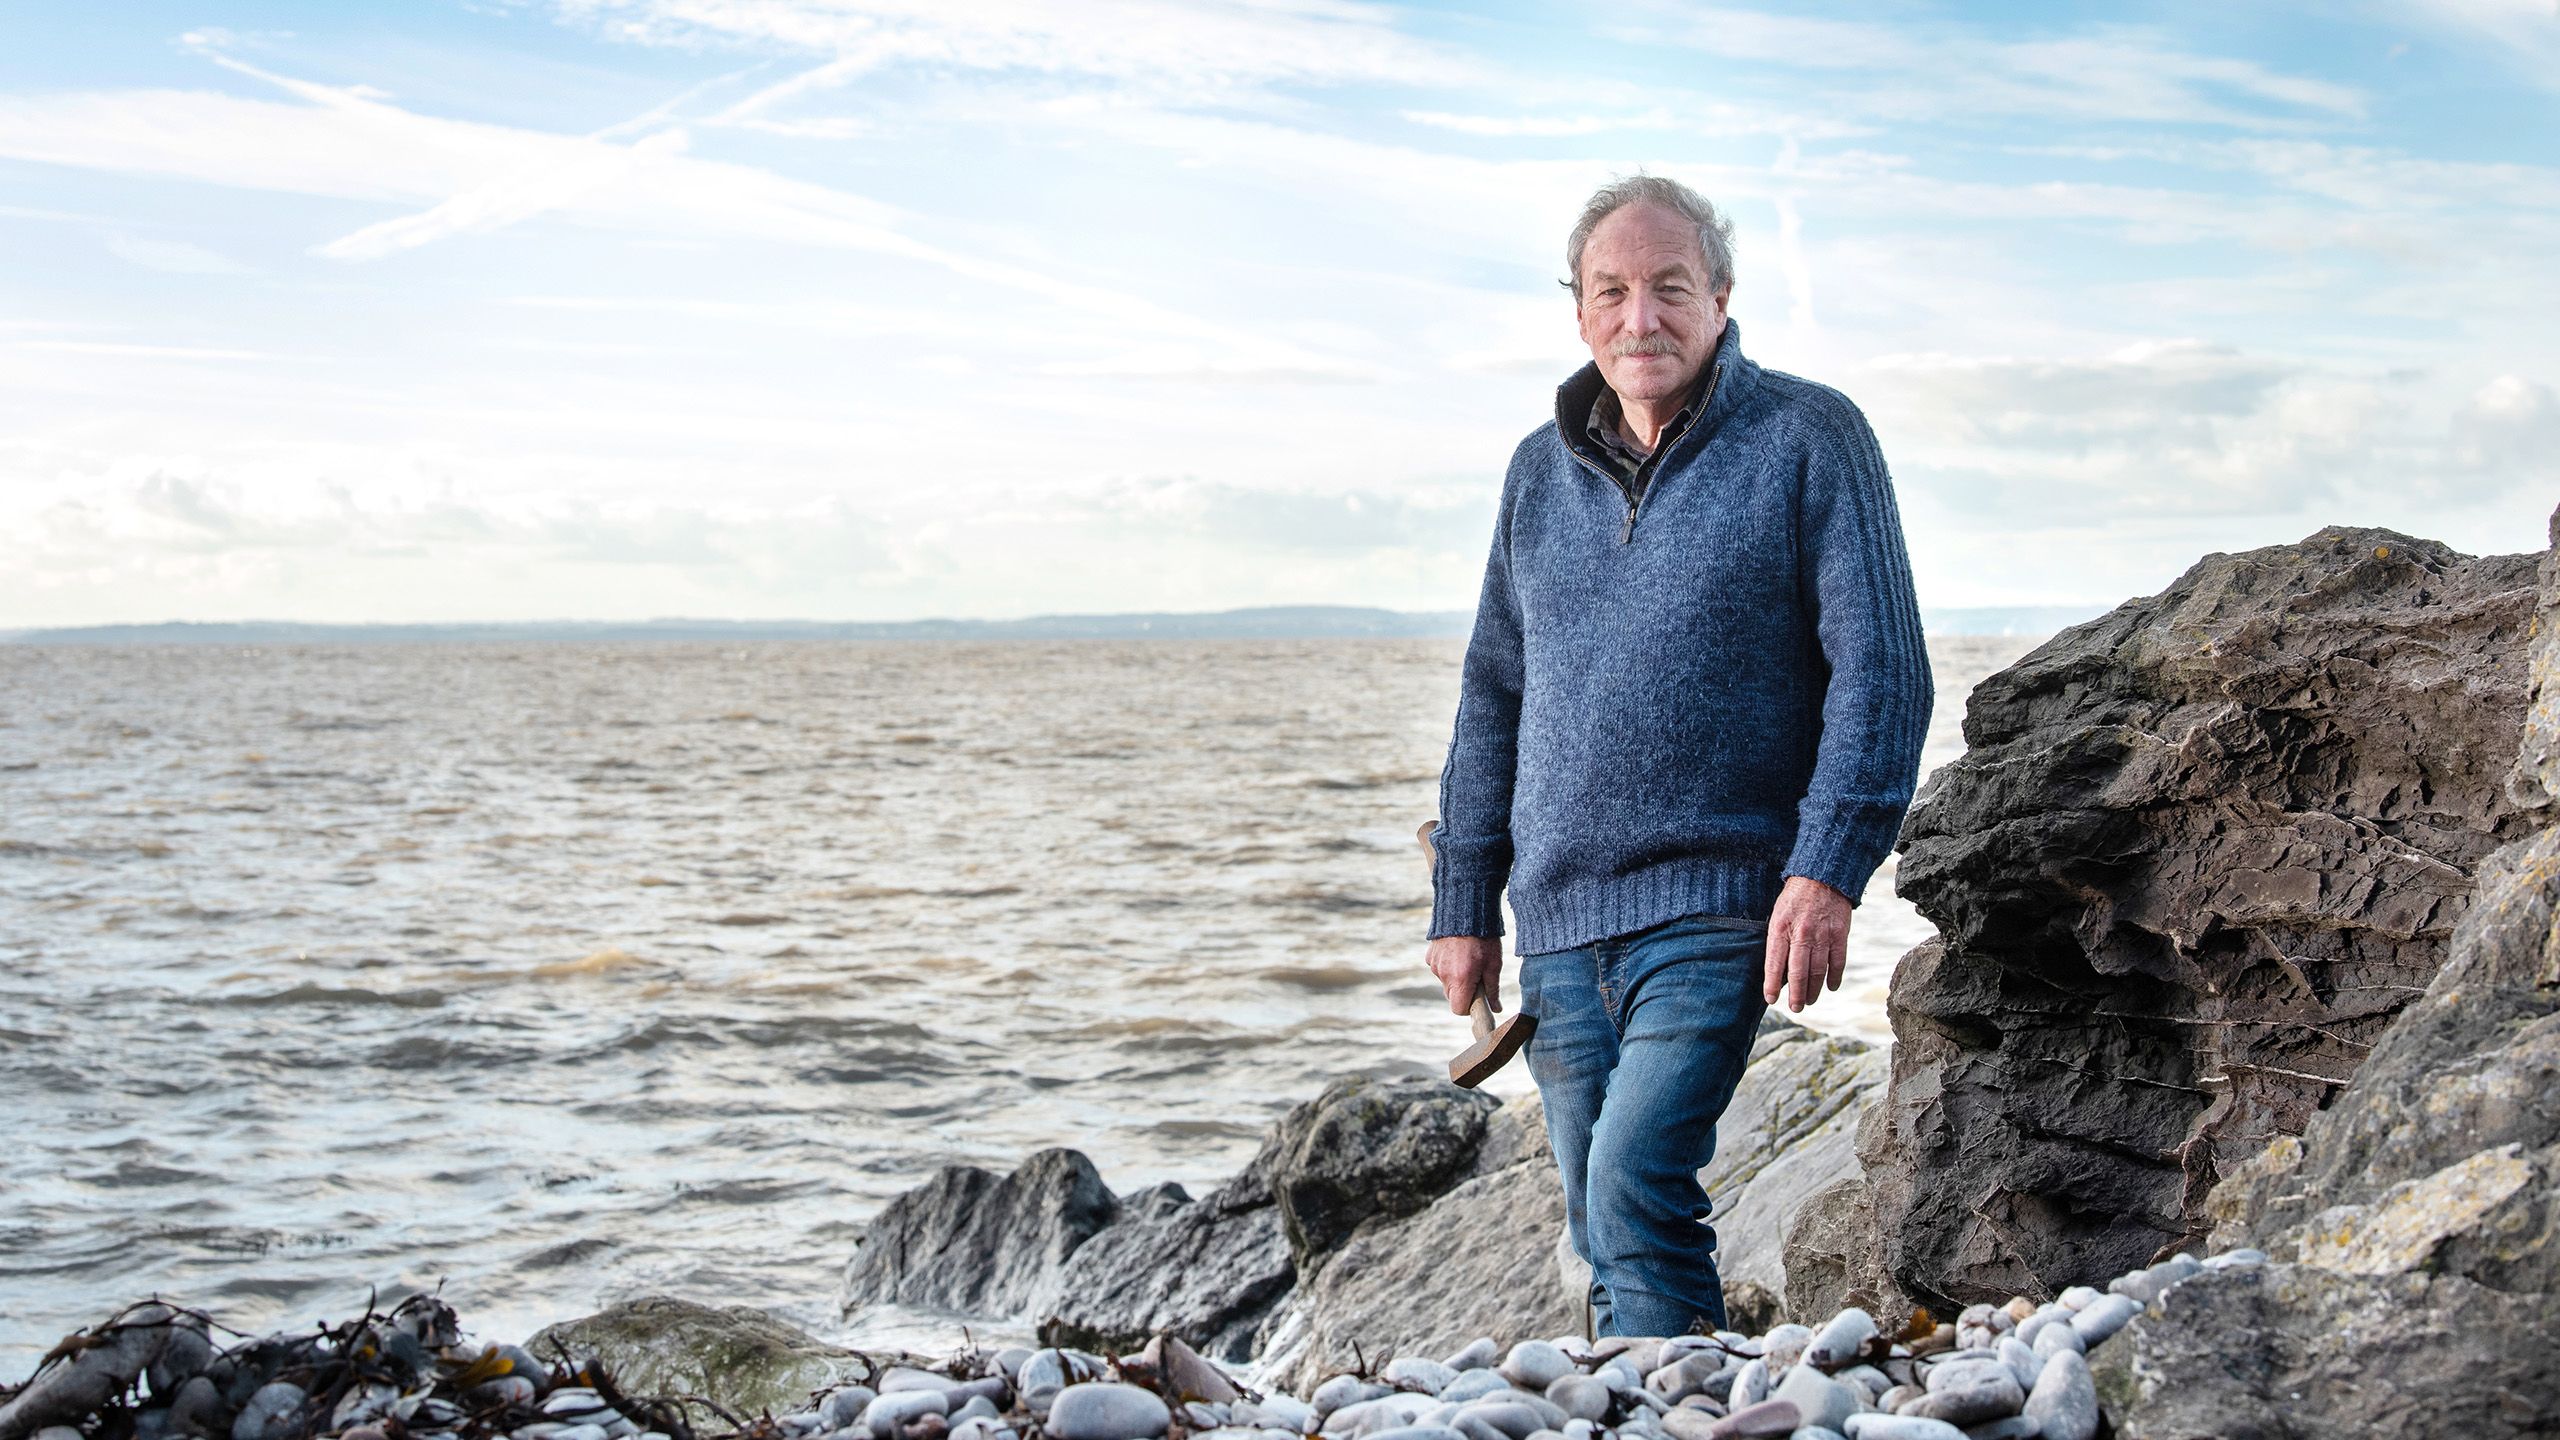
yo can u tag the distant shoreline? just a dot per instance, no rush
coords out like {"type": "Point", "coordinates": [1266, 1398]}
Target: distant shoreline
{"type": "Point", "coordinates": [1283, 622]}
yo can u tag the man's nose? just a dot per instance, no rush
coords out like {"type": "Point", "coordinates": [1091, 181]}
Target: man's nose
{"type": "Point", "coordinates": [1644, 314]}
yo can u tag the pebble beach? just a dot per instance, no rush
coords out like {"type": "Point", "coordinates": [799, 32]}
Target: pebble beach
{"type": "Point", "coordinates": [2014, 1372]}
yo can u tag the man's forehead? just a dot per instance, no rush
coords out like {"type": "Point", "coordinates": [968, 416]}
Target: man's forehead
{"type": "Point", "coordinates": [1654, 266]}
{"type": "Point", "coordinates": [1646, 238]}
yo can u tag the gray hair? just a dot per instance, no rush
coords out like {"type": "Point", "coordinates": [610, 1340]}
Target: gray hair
{"type": "Point", "coordinates": [1715, 233]}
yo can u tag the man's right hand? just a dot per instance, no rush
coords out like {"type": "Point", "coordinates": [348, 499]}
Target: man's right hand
{"type": "Point", "coordinates": [1468, 966]}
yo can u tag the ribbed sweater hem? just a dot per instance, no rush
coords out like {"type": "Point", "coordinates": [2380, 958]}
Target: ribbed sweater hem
{"type": "Point", "coordinates": [1564, 919]}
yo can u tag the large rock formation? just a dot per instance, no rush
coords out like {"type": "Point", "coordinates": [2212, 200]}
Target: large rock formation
{"type": "Point", "coordinates": [2415, 1225]}
{"type": "Point", "coordinates": [2198, 855]}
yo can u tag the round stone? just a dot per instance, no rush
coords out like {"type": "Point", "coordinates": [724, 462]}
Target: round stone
{"type": "Point", "coordinates": [841, 1409]}
{"type": "Point", "coordinates": [1340, 1391]}
{"type": "Point", "coordinates": [2103, 1317]}
{"type": "Point", "coordinates": [2024, 1363]}
{"type": "Point", "coordinates": [1412, 1372]}
{"type": "Point", "coordinates": [2055, 1339]}
{"type": "Point", "coordinates": [270, 1413]}
{"type": "Point", "coordinates": [884, 1417]}
{"type": "Point", "coordinates": [1535, 1365]}
{"type": "Point", "coordinates": [1474, 1385]}
{"type": "Point", "coordinates": [1478, 1354]}
{"type": "Point", "coordinates": [1103, 1410]}
{"type": "Point", "coordinates": [1784, 1345]}
{"type": "Point", "coordinates": [1764, 1421]}
{"type": "Point", "coordinates": [1581, 1397]}
{"type": "Point", "coordinates": [1750, 1384]}
{"type": "Point", "coordinates": [1900, 1427]}
{"type": "Point", "coordinates": [2064, 1403]}
{"type": "Point", "coordinates": [1819, 1399]}
{"type": "Point", "coordinates": [1993, 1398]}
{"type": "Point", "coordinates": [1511, 1417]}
{"type": "Point", "coordinates": [1276, 1412]}
{"type": "Point", "coordinates": [1842, 1340]}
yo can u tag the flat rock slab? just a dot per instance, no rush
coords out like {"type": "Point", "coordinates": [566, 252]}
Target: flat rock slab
{"type": "Point", "coordinates": [738, 1356]}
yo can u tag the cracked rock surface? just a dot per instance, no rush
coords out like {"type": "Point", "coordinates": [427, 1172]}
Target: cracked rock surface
{"type": "Point", "coordinates": [2198, 855]}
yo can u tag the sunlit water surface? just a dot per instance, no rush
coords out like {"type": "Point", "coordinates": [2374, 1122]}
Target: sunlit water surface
{"type": "Point", "coordinates": [564, 973]}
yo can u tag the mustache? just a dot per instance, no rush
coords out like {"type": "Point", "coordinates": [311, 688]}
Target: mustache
{"type": "Point", "coordinates": [1644, 345]}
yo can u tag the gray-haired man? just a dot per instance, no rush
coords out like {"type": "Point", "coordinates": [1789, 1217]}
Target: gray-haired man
{"type": "Point", "coordinates": [1688, 725]}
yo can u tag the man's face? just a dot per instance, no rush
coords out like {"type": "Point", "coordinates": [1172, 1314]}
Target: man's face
{"type": "Point", "coordinates": [1645, 310]}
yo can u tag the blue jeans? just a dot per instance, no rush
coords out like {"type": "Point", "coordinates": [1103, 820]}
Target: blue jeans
{"type": "Point", "coordinates": [1641, 1039]}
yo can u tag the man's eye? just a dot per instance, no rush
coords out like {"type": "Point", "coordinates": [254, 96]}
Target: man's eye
{"type": "Point", "coordinates": [1676, 292]}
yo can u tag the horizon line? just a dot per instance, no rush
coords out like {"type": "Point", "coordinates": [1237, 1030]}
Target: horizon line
{"type": "Point", "coordinates": [1245, 622]}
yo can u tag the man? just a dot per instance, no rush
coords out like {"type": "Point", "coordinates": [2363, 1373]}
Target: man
{"type": "Point", "coordinates": [1688, 725]}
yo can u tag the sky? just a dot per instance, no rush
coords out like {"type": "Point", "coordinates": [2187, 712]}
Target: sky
{"type": "Point", "coordinates": [885, 309]}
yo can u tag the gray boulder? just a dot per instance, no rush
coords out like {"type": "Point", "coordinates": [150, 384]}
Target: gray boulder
{"type": "Point", "coordinates": [1369, 1148]}
{"type": "Point", "coordinates": [2197, 856]}
{"type": "Point", "coordinates": [740, 1357]}
{"type": "Point", "coordinates": [978, 1243]}
{"type": "Point", "coordinates": [2270, 1352]}
{"type": "Point", "coordinates": [1479, 1260]}
{"type": "Point", "coordinates": [1207, 1272]}
{"type": "Point", "coordinates": [1212, 1272]}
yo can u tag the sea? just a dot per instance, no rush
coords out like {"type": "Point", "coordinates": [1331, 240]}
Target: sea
{"type": "Point", "coordinates": [554, 974]}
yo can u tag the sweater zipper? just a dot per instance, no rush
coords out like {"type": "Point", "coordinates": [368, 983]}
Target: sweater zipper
{"type": "Point", "coordinates": [1627, 534]}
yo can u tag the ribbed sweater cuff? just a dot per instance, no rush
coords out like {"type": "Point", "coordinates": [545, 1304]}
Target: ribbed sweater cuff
{"type": "Point", "coordinates": [1465, 905]}
{"type": "Point", "coordinates": [1841, 857]}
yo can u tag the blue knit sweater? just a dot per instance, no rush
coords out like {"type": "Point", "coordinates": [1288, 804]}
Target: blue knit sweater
{"type": "Point", "coordinates": [1669, 708]}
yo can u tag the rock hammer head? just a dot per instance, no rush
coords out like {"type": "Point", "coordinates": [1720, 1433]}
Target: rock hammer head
{"type": "Point", "coordinates": [1496, 1041]}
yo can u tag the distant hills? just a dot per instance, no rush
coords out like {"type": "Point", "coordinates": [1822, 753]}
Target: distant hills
{"type": "Point", "coordinates": [1273, 622]}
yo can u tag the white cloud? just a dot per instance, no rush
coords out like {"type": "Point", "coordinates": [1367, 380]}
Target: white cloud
{"type": "Point", "coordinates": [1203, 47]}
{"type": "Point", "coordinates": [129, 350]}
{"type": "Point", "coordinates": [2194, 430]}
{"type": "Point", "coordinates": [509, 198]}
{"type": "Point", "coordinates": [2511, 424]}
{"type": "Point", "coordinates": [481, 176]}
{"type": "Point", "coordinates": [1539, 126]}
{"type": "Point", "coordinates": [177, 257]}
{"type": "Point", "coordinates": [1924, 69]}
{"type": "Point", "coordinates": [2523, 35]}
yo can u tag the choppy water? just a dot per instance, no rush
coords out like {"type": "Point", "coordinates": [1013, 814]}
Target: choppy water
{"type": "Point", "coordinates": [564, 973]}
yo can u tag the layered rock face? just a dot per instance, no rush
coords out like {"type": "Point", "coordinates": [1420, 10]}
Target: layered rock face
{"type": "Point", "coordinates": [2414, 1227]}
{"type": "Point", "coordinates": [2197, 856]}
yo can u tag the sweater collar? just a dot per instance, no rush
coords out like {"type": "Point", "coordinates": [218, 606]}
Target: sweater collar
{"type": "Point", "coordinates": [1576, 395]}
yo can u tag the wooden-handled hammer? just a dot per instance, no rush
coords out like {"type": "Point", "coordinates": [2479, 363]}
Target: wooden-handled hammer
{"type": "Point", "coordinates": [1495, 1043]}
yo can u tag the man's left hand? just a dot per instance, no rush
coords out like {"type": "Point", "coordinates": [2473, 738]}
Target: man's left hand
{"type": "Point", "coordinates": [1808, 942]}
